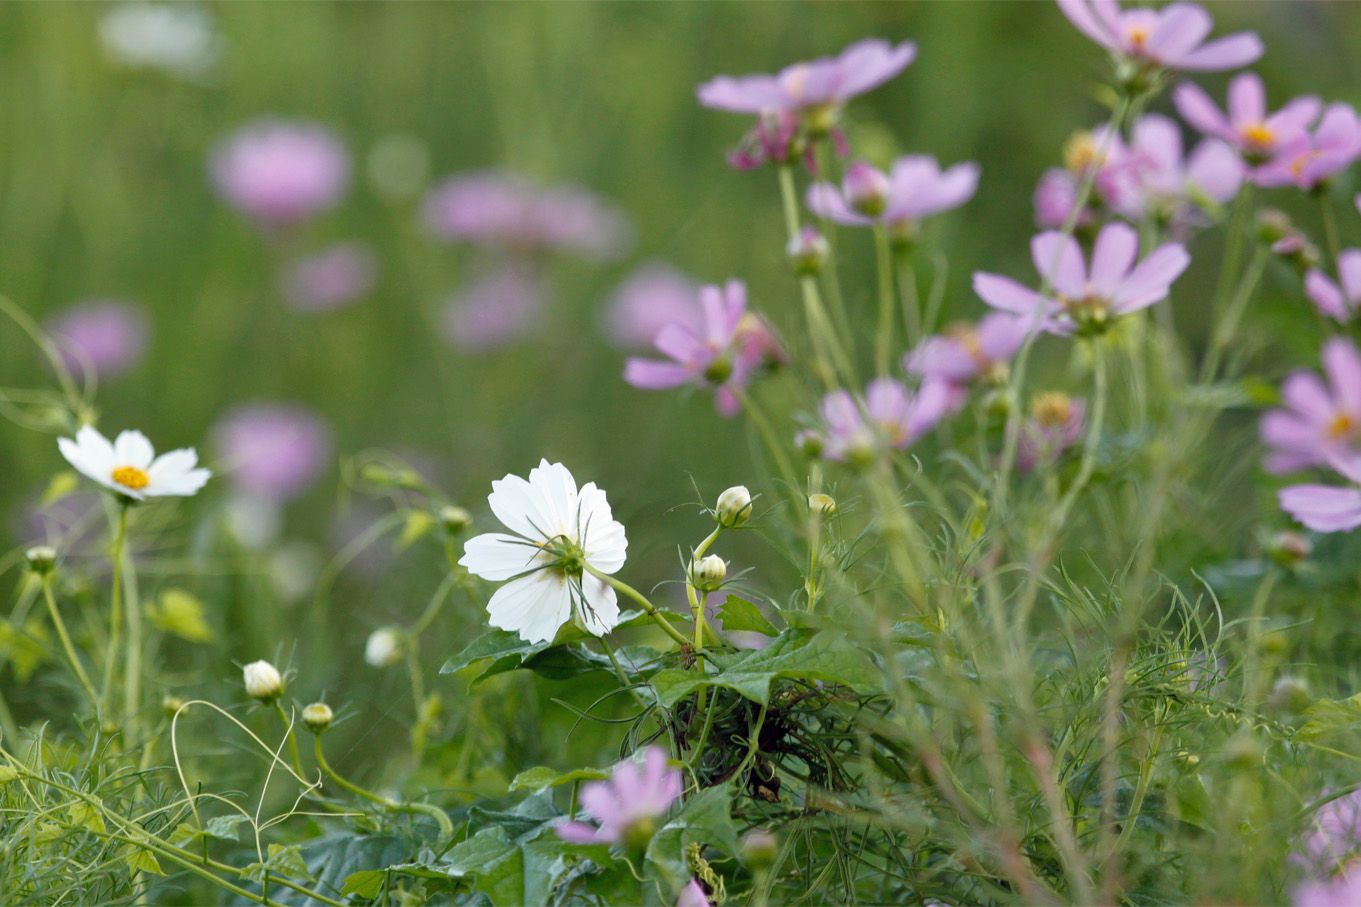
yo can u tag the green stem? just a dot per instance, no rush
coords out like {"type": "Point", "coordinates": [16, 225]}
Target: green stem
{"type": "Point", "coordinates": [66, 645]}
{"type": "Point", "coordinates": [1226, 330]}
{"type": "Point", "coordinates": [441, 818]}
{"type": "Point", "coordinates": [116, 607]}
{"type": "Point", "coordinates": [132, 666]}
{"type": "Point", "coordinates": [292, 738]}
{"type": "Point", "coordinates": [620, 586]}
{"type": "Point", "coordinates": [883, 265]}
{"type": "Point", "coordinates": [1330, 227]}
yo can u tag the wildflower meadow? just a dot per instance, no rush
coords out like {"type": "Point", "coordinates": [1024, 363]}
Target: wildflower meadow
{"type": "Point", "coordinates": [680, 454]}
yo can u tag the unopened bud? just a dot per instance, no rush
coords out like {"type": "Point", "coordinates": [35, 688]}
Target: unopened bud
{"type": "Point", "coordinates": [824, 505]}
{"type": "Point", "coordinates": [708, 573]}
{"type": "Point", "coordinates": [734, 507]}
{"type": "Point", "coordinates": [1273, 225]}
{"type": "Point", "coordinates": [42, 559]}
{"type": "Point", "coordinates": [454, 519]}
{"type": "Point", "coordinates": [263, 681]}
{"type": "Point", "coordinates": [384, 647]}
{"type": "Point", "coordinates": [866, 189]}
{"type": "Point", "coordinates": [1290, 548]}
{"type": "Point", "coordinates": [759, 849]}
{"type": "Point", "coordinates": [810, 443]}
{"type": "Point", "coordinates": [171, 706]}
{"type": "Point", "coordinates": [808, 252]}
{"type": "Point", "coordinates": [1291, 694]}
{"type": "Point", "coordinates": [317, 717]}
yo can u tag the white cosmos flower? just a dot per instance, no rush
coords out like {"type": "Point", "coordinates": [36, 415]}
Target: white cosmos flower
{"type": "Point", "coordinates": [556, 531]}
{"type": "Point", "coordinates": [130, 466]}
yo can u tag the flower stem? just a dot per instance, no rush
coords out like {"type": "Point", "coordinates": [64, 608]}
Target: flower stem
{"type": "Point", "coordinates": [292, 739]}
{"type": "Point", "coordinates": [66, 645]}
{"type": "Point", "coordinates": [620, 586]}
{"type": "Point", "coordinates": [1330, 227]}
{"type": "Point", "coordinates": [428, 809]}
{"type": "Point", "coordinates": [883, 340]}
{"type": "Point", "coordinates": [116, 607]}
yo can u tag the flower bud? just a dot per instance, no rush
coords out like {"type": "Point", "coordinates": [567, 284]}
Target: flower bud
{"type": "Point", "coordinates": [810, 443]}
{"type": "Point", "coordinates": [759, 849]}
{"type": "Point", "coordinates": [1273, 225]}
{"type": "Point", "coordinates": [824, 505]}
{"type": "Point", "coordinates": [808, 252]}
{"type": "Point", "coordinates": [1289, 549]}
{"type": "Point", "coordinates": [1291, 694]}
{"type": "Point", "coordinates": [734, 507]}
{"type": "Point", "coordinates": [42, 559]}
{"type": "Point", "coordinates": [455, 519]}
{"type": "Point", "coordinates": [171, 705]}
{"type": "Point", "coordinates": [384, 647]}
{"type": "Point", "coordinates": [708, 573]}
{"type": "Point", "coordinates": [866, 189]}
{"type": "Point", "coordinates": [317, 717]}
{"type": "Point", "coordinates": [263, 681]}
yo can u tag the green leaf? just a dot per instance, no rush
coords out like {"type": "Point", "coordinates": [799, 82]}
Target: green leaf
{"type": "Point", "coordinates": [498, 645]}
{"type": "Point", "coordinates": [367, 883]}
{"type": "Point", "coordinates": [418, 524]}
{"type": "Point", "coordinates": [541, 777]}
{"type": "Point", "coordinates": [280, 860]}
{"type": "Point", "coordinates": [506, 651]}
{"type": "Point", "coordinates": [180, 614]}
{"type": "Point", "coordinates": [742, 615]}
{"type": "Point", "coordinates": [87, 815]}
{"type": "Point", "coordinates": [706, 820]}
{"type": "Point", "coordinates": [804, 654]}
{"type": "Point", "coordinates": [140, 860]}
{"type": "Point", "coordinates": [1328, 717]}
{"type": "Point", "coordinates": [7, 774]}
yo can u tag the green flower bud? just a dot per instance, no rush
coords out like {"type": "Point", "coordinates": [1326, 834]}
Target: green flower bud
{"type": "Point", "coordinates": [455, 519]}
{"type": "Point", "coordinates": [317, 717]}
{"type": "Point", "coordinates": [759, 849]}
{"type": "Point", "coordinates": [42, 559]}
{"type": "Point", "coordinates": [708, 573]}
{"type": "Point", "coordinates": [734, 507]}
{"type": "Point", "coordinates": [824, 505]}
{"type": "Point", "coordinates": [263, 681]}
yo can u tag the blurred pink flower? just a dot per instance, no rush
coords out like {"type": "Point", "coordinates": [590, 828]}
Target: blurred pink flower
{"type": "Point", "coordinates": [1312, 157]}
{"type": "Point", "coordinates": [916, 188]}
{"type": "Point", "coordinates": [332, 278]}
{"type": "Point", "coordinates": [1337, 300]}
{"type": "Point", "coordinates": [280, 173]}
{"type": "Point", "coordinates": [505, 210]}
{"type": "Point", "coordinates": [773, 140]}
{"type": "Point", "coordinates": [1319, 420]}
{"type": "Point", "coordinates": [965, 352]}
{"type": "Point", "coordinates": [627, 806]}
{"type": "Point", "coordinates": [692, 895]}
{"type": "Point", "coordinates": [649, 299]}
{"type": "Point", "coordinates": [1333, 835]}
{"type": "Point", "coordinates": [1342, 890]}
{"type": "Point", "coordinates": [272, 450]}
{"type": "Point", "coordinates": [723, 352]}
{"type": "Point", "coordinates": [495, 310]}
{"type": "Point", "coordinates": [106, 336]}
{"type": "Point", "coordinates": [1100, 150]}
{"type": "Point", "coordinates": [1085, 301]}
{"type": "Point", "coordinates": [1248, 127]}
{"type": "Point", "coordinates": [889, 416]}
{"type": "Point", "coordinates": [1173, 188]}
{"type": "Point", "coordinates": [1054, 425]}
{"type": "Point", "coordinates": [1327, 508]}
{"type": "Point", "coordinates": [1054, 199]}
{"type": "Point", "coordinates": [819, 86]}
{"type": "Point", "coordinates": [1173, 36]}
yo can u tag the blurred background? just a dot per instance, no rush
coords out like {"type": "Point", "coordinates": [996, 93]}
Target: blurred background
{"type": "Point", "coordinates": [379, 322]}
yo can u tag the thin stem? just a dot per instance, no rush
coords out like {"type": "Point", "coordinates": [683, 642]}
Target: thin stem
{"type": "Point", "coordinates": [66, 645]}
{"type": "Point", "coordinates": [1330, 227]}
{"type": "Point", "coordinates": [441, 818]}
{"type": "Point", "coordinates": [1227, 328]}
{"type": "Point", "coordinates": [883, 265]}
{"type": "Point", "coordinates": [292, 739]}
{"type": "Point", "coordinates": [132, 666]}
{"type": "Point", "coordinates": [116, 607]}
{"type": "Point", "coordinates": [620, 586]}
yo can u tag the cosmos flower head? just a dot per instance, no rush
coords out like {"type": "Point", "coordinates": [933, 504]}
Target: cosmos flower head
{"type": "Point", "coordinates": [274, 451]}
{"type": "Point", "coordinates": [1054, 425]}
{"type": "Point", "coordinates": [107, 337]}
{"type": "Point", "coordinates": [915, 188]}
{"type": "Point", "coordinates": [1333, 835]}
{"type": "Point", "coordinates": [333, 278]}
{"type": "Point", "coordinates": [967, 352]}
{"type": "Point", "coordinates": [1320, 419]}
{"type": "Point", "coordinates": [496, 309]}
{"type": "Point", "coordinates": [651, 297]}
{"type": "Point", "coordinates": [557, 536]}
{"type": "Point", "coordinates": [1177, 190]}
{"type": "Point", "coordinates": [1247, 126]}
{"type": "Point", "coordinates": [1172, 37]}
{"type": "Point", "coordinates": [1313, 157]}
{"type": "Point", "coordinates": [729, 347]}
{"type": "Point", "coordinates": [506, 211]}
{"type": "Point", "coordinates": [280, 173]}
{"type": "Point", "coordinates": [1342, 890]}
{"type": "Point", "coordinates": [1079, 300]}
{"type": "Point", "coordinates": [178, 39]}
{"type": "Point", "coordinates": [889, 416]}
{"type": "Point", "coordinates": [629, 806]}
{"type": "Point", "coordinates": [1338, 300]}
{"type": "Point", "coordinates": [692, 895]}
{"type": "Point", "coordinates": [129, 466]}
{"type": "Point", "coordinates": [1328, 508]}
{"type": "Point", "coordinates": [1097, 154]}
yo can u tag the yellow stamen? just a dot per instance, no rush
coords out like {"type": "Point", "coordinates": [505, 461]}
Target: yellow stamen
{"type": "Point", "coordinates": [131, 477]}
{"type": "Point", "coordinates": [1342, 426]}
{"type": "Point", "coordinates": [1052, 409]}
{"type": "Point", "coordinates": [1138, 36]}
{"type": "Point", "coordinates": [1080, 152]}
{"type": "Point", "coordinates": [1258, 134]}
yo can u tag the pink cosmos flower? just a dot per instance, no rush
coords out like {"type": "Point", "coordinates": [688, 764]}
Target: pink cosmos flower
{"type": "Point", "coordinates": [1054, 426]}
{"type": "Point", "coordinates": [495, 309]}
{"type": "Point", "coordinates": [106, 336]}
{"type": "Point", "coordinates": [332, 278]}
{"type": "Point", "coordinates": [692, 895]}
{"type": "Point", "coordinates": [1327, 508]}
{"type": "Point", "coordinates": [1248, 127]}
{"type": "Point", "coordinates": [1172, 37]}
{"type": "Point", "coordinates": [723, 353]}
{"type": "Point", "coordinates": [966, 351]}
{"type": "Point", "coordinates": [649, 299]}
{"type": "Point", "coordinates": [1099, 150]}
{"type": "Point", "coordinates": [505, 210]}
{"type": "Point", "coordinates": [627, 806]}
{"type": "Point", "coordinates": [773, 140]}
{"type": "Point", "coordinates": [1342, 890]}
{"type": "Point", "coordinates": [1172, 187]}
{"type": "Point", "coordinates": [1054, 199]}
{"type": "Point", "coordinates": [1311, 158]}
{"type": "Point", "coordinates": [819, 87]}
{"type": "Point", "coordinates": [1334, 300]}
{"type": "Point", "coordinates": [914, 189]}
{"type": "Point", "coordinates": [889, 416]}
{"type": "Point", "coordinates": [280, 173]}
{"type": "Point", "coordinates": [1080, 300]}
{"type": "Point", "coordinates": [273, 451]}
{"type": "Point", "coordinates": [1319, 421]}
{"type": "Point", "coordinates": [1334, 835]}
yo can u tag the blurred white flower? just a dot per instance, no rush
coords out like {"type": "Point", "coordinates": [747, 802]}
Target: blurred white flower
{"type": "Point", "coordinates": [130, 467]}
{"type": "Point", "coordinates": [558, 532]}
{"type": "Point", "coordinates": [175, 38]}
{"type": "Point", "coordinates": [384, 647]}
{"type": "Point", "coordinates": [262, 681]}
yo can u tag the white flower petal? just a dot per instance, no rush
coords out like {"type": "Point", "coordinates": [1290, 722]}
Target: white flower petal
{"type": "Point", "coordinates": [132, 448]}
{"type": "Point", "coordinates": [519, 508]}
{"type": "Point", "coordinates": [180, 484]}
{"type": "Point", "coordinates": [534, 606]}
{"type": "Point", "coordinates": [497, 556]}
{"type": "Point", "coordinates": [558, 492]}
{"type": "Point", "coordinates": [603, 537]}
{"type": "Point", "coordinates": [600, 610]}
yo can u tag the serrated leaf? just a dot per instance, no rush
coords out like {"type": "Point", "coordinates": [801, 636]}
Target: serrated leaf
{"type": "Point", "coordinates": [541, 777]}
{"type": "Point", "coordinates": [1327, 717]}
{"type": "Point", "coordinates": [366, 884]}
{"type": "Point", "coordinates": [741, 615]}
{"type": "Point", "coordinates": [824, 656]}
{"type": "Point", "coordinates": [706, 819]}
{"type": "Point", "coordinates": [497, 644]}
{"type": "Point", "coordinates": [140, 860]}
{"type": "Point", "coordinates": [180, 614]}
{"type": "Point", "coordinates": [88, 816]}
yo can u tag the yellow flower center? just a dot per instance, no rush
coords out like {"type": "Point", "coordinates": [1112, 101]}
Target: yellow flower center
{"type": "Point", "coordinates": [1342, 426]}
{"type": "Point", "coordinates": [1080, 152]}
{"type": "Point", "coordinates": [1258, 134]}
{"type": "Point", "coordinates": [1052, 409]}
{"type": "Point", "coordinates": [1138, 37]}
{"type": "Point", "coordinates": [131, 477]}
